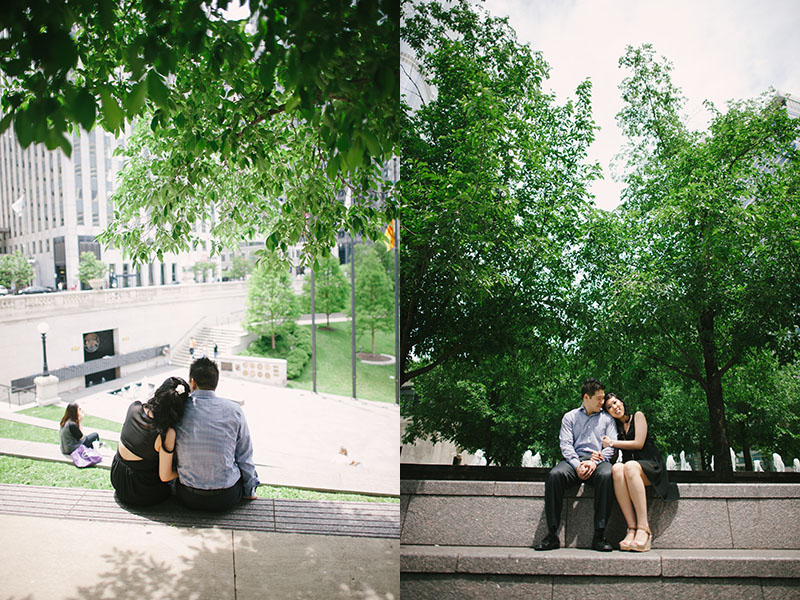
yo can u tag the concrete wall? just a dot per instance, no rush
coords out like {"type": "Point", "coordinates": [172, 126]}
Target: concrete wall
{"type": "Point", "coordinates": [140, 317]}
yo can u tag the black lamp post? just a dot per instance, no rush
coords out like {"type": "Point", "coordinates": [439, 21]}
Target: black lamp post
{"type": "Point", "coordinates": [43, 329]}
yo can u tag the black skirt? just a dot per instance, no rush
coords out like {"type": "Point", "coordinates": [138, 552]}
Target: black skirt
{"type": "Point", "coordinates": [137, 482]}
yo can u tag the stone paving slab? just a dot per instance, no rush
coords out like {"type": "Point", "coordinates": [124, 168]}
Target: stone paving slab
{"type": "Point", "coordinates": [354, 519]}
{"type": "Point", "coordinates": [54, 559]}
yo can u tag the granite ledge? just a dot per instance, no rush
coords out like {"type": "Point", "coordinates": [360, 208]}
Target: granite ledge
{"type": "Point", "coordinates": [695, 564]}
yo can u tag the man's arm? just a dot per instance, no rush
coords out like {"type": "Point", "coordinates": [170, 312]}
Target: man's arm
{"type": "Point", "coordinates": [244, 459]}
{"type": "Point", "coordinates": [567, 441]}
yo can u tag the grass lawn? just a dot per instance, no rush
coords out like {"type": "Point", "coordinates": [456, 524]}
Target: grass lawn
{"type": "Point", "coordinates": [335, 371]}
{"type": "Point", "coordinates": [54, 413]}
{"type": "Point", "coordinates": [27, 471]}
{"type": "Point", "coordinates": [38, 472]}
{"type": "Point", "coordinates": [31, 433]}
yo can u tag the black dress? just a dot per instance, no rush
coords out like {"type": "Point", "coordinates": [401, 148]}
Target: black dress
{"type": "Point", "coordinates": [137, 481]}
{"type": "Point", "coordinates": [652, 463]}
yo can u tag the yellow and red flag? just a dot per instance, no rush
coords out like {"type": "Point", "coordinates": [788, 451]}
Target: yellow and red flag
{"type": "Point", "coordinates": [389, 236]}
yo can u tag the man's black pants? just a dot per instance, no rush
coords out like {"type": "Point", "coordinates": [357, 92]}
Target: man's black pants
{"type": "Point", "coordinates": [214, 500]}
{"type": "Point", "coordinates": [563, 477]}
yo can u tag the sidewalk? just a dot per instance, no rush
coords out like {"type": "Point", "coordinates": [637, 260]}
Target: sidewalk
{"type": "Point", "coordinates": [52, 559]}
{"type": "Point", "coordinates": [298, 436]}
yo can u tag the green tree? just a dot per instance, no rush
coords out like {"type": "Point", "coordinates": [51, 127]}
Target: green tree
{"type": "Point", "coordinates": [331, 289]}
{"type": "Point", "coordinates": [493, 189]}
{"type": "Point", "coordinates": [201, 269]}
{"type": "Point", "coordinates": [374, 294]}
{"type": "Point", "coordinates": [271, 301]}
{"type": "Point", "coordinates": [15, 271]}
{"type": "Point", "coordinates": [90, 267]}
{"type": "Point", "coordinates": [494, 205]}
{"type": "Point", "coordinates": [234, 92]}
{"type": "Point", "coordinates": [239, 269]}
{"type": "Point", "coordinates": [703, 263]}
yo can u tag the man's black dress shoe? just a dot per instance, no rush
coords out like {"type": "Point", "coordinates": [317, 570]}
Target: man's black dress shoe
{"type": "Point", "coordinates": [600, 544]}
{"type": "Point", "coordinates": [549, 543]}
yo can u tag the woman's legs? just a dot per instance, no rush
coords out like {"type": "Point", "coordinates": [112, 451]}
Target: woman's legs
{"type": "Point", "coordinates": [90, 438]}
{"type": "Point", "coordinates": [636, 481]}
{"type": "Point", "coordinates": [623, 499]}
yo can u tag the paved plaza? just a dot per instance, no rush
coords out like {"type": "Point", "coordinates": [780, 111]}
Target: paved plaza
{"type": "Point", "coordinates": [51, 559]}
{"type": "Point", "coordinates": [298, 436]}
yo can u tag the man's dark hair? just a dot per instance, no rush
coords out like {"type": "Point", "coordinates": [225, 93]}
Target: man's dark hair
{"type": "Point", "coordinates": [590, 386]}
{"type": "Point", "coordinates": [205, 373]}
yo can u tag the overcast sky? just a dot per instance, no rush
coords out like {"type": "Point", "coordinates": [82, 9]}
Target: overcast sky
{"type": "Point", "coordinates": [720, 50]}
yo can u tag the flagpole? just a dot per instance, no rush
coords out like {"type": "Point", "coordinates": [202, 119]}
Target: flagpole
{"type": "Point", "coordinates": [397, 311]}
{"type": "Point", "coordinates": [353, 307]}
{"type": "Point", "coordinates": [313, 338]}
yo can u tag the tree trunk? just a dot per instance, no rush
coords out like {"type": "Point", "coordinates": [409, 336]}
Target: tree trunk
{"type": "Point", "coordinates": [373, 342]}
{"type": "Point", "coordinates": [723, 469]}
{"type": "Point", "coordinates": [748, 459]}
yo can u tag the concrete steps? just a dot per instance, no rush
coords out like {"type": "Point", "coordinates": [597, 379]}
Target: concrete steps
{"type": "Point", "coordinates": [352, 519]}
{"type": "Point", "coordinates": [473, 539]}
{"type": "Point", "coordinates": [225, 337]}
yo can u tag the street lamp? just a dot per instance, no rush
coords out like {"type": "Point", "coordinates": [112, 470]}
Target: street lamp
{"type": "Point", "coordinates": [43, 329]}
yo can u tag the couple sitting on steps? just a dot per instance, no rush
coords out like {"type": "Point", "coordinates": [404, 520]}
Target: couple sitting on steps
{"type": "Point", "coordinates": [214, 459]}
{"type": "Point", "coordinates": [590, 437]}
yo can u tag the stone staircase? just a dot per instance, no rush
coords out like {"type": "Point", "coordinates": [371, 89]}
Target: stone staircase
{"type": "Point", "coordinates": [473, 539]}
{"type": "Point", "coordinates": [227, 338]}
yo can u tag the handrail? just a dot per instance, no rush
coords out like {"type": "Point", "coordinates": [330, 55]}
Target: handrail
{"type": "Point", "coordinates": [188, 333]}
{"type": "Point", "coordinates": [11, 390]}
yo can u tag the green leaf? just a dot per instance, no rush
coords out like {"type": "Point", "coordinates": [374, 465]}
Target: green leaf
{"type": "Point", "coordinates": [292, 103]}
{"type": "Point", "coordinates": [156, 89]}
{"type": "Point", "coordinates": [85, 108]}
{"type": "Point", "coordinates": [5, 122]}
{"type": "Point", "coordinates": [135, 99]}
{"type": "Point", "coordinates": [23, 128]}
{"type": "Point", "coordinates": [111, 111]}
{"type": "Point", "coordinates": [372, 143]}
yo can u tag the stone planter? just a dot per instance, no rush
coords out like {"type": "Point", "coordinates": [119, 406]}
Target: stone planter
{"type": "Point", "coordinates": [96, 284]}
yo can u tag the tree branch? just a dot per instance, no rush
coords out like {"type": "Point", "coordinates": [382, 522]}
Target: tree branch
{"type": "Point", "coordinates": [692, 365]}
{"type": "Point", "coordinates": [678, 370]}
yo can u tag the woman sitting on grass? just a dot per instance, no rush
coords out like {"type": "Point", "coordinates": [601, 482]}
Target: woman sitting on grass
{"type": "Point", "coordinates": [143, 465]}
{"type": "Point", "coordinates": [71, 435]}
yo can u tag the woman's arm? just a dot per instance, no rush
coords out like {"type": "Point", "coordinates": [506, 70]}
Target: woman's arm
{"type": "Point", "coordinates": [165, 450]}
{"type": "Point", "coordinates": [637, 443]}
{"type": "Point", "coordinates": [75, 430]}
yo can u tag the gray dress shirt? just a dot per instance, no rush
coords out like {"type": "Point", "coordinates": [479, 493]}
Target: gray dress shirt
{"type": "Point", "coordinates": [582, 433]}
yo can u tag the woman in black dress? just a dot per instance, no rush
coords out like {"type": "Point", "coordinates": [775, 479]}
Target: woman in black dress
{"type": "Point", "coordinates": [142, 466]}
{"type": "Point", "coordinates": [642, 465]}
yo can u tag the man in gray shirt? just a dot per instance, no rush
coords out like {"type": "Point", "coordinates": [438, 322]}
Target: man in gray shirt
{"type": "Point", "coordinates": [582, 431]}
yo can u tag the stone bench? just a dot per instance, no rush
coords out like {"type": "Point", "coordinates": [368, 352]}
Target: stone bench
{"type": "Point", "coordinates": [511, 514]}
{"type": "Point", "coordinates": [473, 539]}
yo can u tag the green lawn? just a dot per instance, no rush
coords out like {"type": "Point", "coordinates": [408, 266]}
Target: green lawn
{"type": "Point", "coordinates": [335, 371]}
{"type": "Point", "coordinates": [55, 413]}
{"type": "Point", "coordinates": [38, 472]}
{"type": "Point", "coordinates": [31, 433]}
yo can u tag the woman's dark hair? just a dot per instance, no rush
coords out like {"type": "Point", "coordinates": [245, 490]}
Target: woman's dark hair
{"type": "Point", "coordinates": [71, 414]}
{"type": "Point", "coordinates": [167, 403]}
{"type": "Point", "coordinates": [620, 426]}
